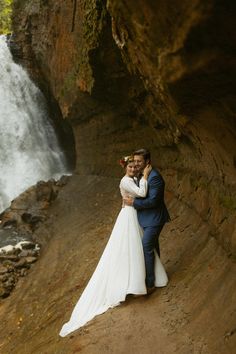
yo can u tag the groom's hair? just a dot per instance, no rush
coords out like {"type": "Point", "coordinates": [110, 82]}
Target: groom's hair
{"type": "Point", "coordinates": [143, 152]}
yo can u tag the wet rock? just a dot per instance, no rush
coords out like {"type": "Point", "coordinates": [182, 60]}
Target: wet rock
{"type": "Point", "coordinates": [46, 191]}
{"type": "Point", "coordinates": [22, 263]}
{"type": "Point", "coordinates": [26, 245]}
{"type": "Point", "coordinates": [24, 253]}
{"type": "Point", "coordinates": [12, 267]}
{"type": "Point", "coordinates": [19, 222]}
{"type": "Point", "coordinates": [31, 260]}
{"type": "Point", "coordinates": [31, 252]}
{"type": "Point", "coordinates": [3, 277]}
{"type": "Point", "coordinates": [4, 292]}
{"type": "Point", "coordinates": [9, 265]}
{"type": "Point", "coordinates": [3, 270]}
{"type": "Point", "coordinates": [32, 219]}
{"type": "Point", "coordinates": [10, 224]}
{"type": "Point", "coordinates": [34, 252]}
{"type": "Point", "coordinates": [16, 251]}
{"type": "Point", "coordinates": [8, 257]}
{"type": "Point", "coordinates": [23, 272]}
{"type": "Point", "coordinates": [14, 263]}
{"type": "Point", "coordinates": [30, 209]}
{"type": "Point", "coordinates": [15, 49]}
{"type": "Point", "coordinates": [26, 217]}
{"type": "Point", "coordinates": [62, 181]}
{"type": "Point", "coordinates": [9, 218]}
{"type": "Point", "coordinates": [10, 283]}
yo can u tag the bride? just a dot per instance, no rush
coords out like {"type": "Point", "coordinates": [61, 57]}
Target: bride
{"type": "Point", "coordinates": [121, 268]}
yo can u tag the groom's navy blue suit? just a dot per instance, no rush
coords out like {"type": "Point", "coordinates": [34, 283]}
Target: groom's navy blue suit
{"type": "Point", "coordinates": [152, 215]}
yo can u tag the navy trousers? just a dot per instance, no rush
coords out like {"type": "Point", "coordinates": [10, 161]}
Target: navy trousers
{"type": "Point", "coordinates": [150, 242]}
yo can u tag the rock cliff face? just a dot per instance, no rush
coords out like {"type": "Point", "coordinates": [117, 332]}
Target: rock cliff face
{"type": "Point", "coordinates": [159, 74]}
{"type": "Point", "coordinates": [147, 73]}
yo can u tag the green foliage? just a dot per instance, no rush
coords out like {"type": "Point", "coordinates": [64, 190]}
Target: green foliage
{"type": "Point", "coordinates": [5, 16]}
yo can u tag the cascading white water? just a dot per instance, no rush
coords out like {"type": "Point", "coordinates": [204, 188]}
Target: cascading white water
{"type": "Point", "coordinates": [29, 149]}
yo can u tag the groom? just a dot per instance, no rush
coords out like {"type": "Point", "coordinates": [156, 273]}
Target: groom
{"type": "Point", "coordinates": [152, 213]}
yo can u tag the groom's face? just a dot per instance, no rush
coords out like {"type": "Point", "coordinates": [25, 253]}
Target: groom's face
{"type": "Point", "coordinates": [140, 163]}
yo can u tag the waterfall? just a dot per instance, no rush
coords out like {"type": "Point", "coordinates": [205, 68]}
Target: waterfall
{"type": "Point", "coordinates": [29, 149]}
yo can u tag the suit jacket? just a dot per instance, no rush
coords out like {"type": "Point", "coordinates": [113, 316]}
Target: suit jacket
{"type": "Point", "coordinates": [152, 210]}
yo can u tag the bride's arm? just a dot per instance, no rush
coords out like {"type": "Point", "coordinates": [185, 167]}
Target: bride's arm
{"type": "Point", "coordinates": [129, 186]}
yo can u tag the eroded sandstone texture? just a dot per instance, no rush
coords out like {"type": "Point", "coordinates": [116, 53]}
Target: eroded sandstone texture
{"type": "Point", "coordinates": [159, 74]}
{"type": "Point", "coordinates": [154, 73]}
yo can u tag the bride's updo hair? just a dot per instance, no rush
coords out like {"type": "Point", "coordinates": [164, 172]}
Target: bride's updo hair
{"type": "Point", "coordinates": [124, 161]}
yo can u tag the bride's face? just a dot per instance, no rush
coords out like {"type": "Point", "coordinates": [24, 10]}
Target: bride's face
{"type": "Point", "coordinates": [131, 169]}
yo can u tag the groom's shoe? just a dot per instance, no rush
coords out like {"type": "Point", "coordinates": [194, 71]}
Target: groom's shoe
{"type": "Point", "coordinates": [150, 290]}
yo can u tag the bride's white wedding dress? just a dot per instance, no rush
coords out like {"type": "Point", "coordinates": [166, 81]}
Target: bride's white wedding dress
{"type": "Point", "coordinates": [121, 268]}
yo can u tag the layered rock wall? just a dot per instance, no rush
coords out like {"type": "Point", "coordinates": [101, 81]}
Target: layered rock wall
{"type": "Point", "coordinates": [159, 74]}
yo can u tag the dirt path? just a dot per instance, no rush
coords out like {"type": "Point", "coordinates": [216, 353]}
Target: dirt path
{"type": "Point", "coordinates": [195, 313]}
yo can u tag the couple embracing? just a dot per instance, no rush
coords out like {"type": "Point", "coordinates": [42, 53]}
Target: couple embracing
{"type": "Point", "coordinates": [130, 263]}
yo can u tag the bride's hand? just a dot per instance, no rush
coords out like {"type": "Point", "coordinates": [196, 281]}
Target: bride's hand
{"type": "Point", "coordinates": [147, 171]}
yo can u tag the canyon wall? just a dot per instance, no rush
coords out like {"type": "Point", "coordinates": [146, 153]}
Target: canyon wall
{"type": "Point", "coordinates": [159, 74]}
{"type": "Point", "coordinates": [129, 74]}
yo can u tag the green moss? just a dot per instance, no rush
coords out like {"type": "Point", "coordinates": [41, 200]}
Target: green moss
{"type": "Point", "coordinates": [93, 22]}
{"type": "Point", "coordinates": [5, 16]}
{"type": "Point", "coordinates": [94, 14]}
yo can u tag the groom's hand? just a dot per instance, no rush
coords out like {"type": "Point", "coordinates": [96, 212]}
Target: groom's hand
{"type": "Point", "coordinates": [128, 201]}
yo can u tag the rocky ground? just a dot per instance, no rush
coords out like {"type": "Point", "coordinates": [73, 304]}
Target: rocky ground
{"type": "Point", "coordinates": [14, 263]}
{"type": "Point", "coordinates": [195, 313]}
{"type": "Point", "coordinates": [18, 246]}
